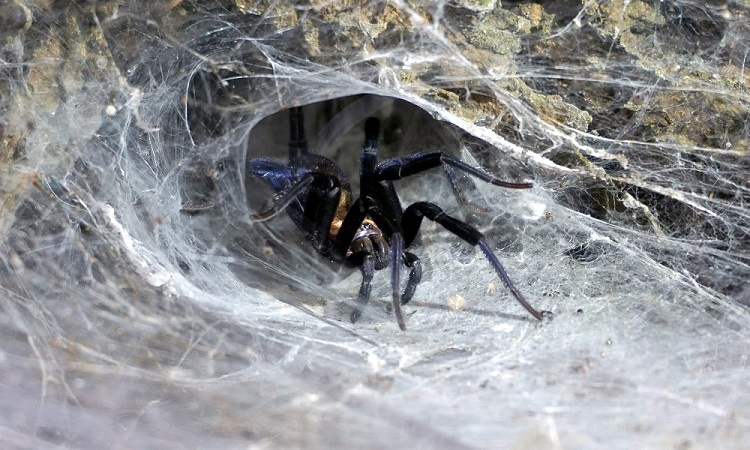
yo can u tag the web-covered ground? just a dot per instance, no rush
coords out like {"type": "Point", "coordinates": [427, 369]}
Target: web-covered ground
{"type": "Point", "coordinates": [142, 307]}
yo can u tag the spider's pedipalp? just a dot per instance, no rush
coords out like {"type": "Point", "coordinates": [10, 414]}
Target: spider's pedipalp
{"type": "Point", "coordinates": [411, 261]}
{"type": "Point", "coordinates": [368, 271]}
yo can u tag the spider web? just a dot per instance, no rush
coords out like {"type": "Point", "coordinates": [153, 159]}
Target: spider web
{"type": "Point", "coordinates": [141, 303]}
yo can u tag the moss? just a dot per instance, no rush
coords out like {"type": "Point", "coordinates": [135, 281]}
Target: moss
{"type": "Point", "coordinates": [552, 107]}
{"type": "Point", "coordinates": [487, 37]}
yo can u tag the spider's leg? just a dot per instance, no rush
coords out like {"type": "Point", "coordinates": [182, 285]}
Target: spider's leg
{"type": "Point", "coordinates": [365, 259]}
{"type": "Point", "coordinates": [348, 229]}
{"type": "Point", "coordinates": [458, 192]}
{"type": "Point", "coordinates": [368, 271]}
{"type": "Point", "coordinates": [368, 160]}
{"type": "Point", "coordinates": [397, 250]}
{"type": "Point", "coordinates": [319, 211]}
{"type": "Point", "coordinates": [411, 261]}
{"type": "Point", "coordinates": [380, 202]}
{"type": "Point", "coordinates": [398, 168]}
{"type": "Point", "coordinates": [396, 253]}
{"type": "Point", "coordinates": [285, 199]}
{"type": "Point", "coordinates": [277, 174]}
{"type": "Point", "coordinates": [322, 194]}
{"type": "Point", "coordinates": [413, 219]}
{"type": "Point", "coordinates": [297, 138]}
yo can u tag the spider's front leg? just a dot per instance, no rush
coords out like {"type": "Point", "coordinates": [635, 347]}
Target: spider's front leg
{"type": "Point", "coordinates": [379, 201]}
{"type": "Point", "coordinates": [368, 271]}
{"type": "Point", "coordinates": [398, 168]}
{"type": "Point", "coordinates": [297, 137]}
{"type": "Point", "coordinates": [412, 220]}
{"type": "Point", "coordinates": [411, 261]}
{"type": "Point", "coordinates": [357, 253]}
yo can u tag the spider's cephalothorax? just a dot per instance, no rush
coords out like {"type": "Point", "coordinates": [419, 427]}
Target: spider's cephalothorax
{"type": "Point", "coordinates": [370, 232]}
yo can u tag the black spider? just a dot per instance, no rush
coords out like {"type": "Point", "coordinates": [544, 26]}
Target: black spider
{"type": "Point", "coordinates": [372, 231]}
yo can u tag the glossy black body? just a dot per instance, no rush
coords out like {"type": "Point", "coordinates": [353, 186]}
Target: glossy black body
{"type": "Point", "coordinates": [372, 231]}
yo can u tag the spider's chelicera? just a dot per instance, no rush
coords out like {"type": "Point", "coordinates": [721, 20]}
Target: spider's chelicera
{"type": "Point", "coordinates": [373, 231]}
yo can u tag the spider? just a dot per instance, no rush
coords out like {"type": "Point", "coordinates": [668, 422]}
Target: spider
{"type": "Point", "coordinates": [373, 231]}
